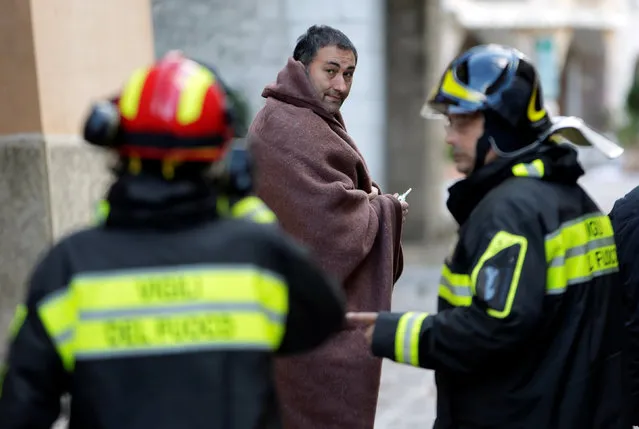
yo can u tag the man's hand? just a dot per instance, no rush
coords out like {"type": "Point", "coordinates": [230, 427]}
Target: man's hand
{"type": "Point", "coordinates": [366, 320]}
{"type": "Point", "coordinates": [404, 208]}
{"type": "Point", "coordinates": [374, 193]}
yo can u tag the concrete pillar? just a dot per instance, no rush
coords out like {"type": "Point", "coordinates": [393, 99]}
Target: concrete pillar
{"type": "Point", "coordinates": [436, 220]}
{"type": "Point", "coordinates": [57, 56]}
{"type": "Point", "coordinates": [415, 151]}
{"type": "Point", "coordinates": [405, 65]}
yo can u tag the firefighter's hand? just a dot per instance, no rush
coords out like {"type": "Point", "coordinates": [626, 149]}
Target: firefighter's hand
{"type": "Point", "coordinates": [366, 320]}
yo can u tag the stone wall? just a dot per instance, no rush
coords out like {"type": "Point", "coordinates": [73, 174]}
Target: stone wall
{"type": "Point", "coordinates": [249, 42]}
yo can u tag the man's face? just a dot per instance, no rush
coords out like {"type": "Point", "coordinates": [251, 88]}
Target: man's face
{"type": "Point", "coordinates": [331, 73]}
{"type": "Point", "coordinates": [462, 134]}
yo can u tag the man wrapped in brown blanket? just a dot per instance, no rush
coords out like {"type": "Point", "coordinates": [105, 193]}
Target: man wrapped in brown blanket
{"type": "Point", "coordinates": [311, 174]}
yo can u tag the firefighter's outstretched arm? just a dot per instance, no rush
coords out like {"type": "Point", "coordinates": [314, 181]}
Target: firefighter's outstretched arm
{"type": "Point", "coordinates": [498, 313]}
{"type": "Point", "coordinates": [33, 378]}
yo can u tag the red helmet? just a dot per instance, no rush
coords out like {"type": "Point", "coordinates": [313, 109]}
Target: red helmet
{"type": "Point", "coordinates": [177, 109]}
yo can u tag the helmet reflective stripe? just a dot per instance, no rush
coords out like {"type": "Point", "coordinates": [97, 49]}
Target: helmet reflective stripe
{"type": "Point", "coordinates": [451, 87]}
{"type": "Point", "coordinates": [130, 99]}
{"type": "Point", "coordinates": [534, 114]}
{"type": "Point", "coordinates": [192, 97]}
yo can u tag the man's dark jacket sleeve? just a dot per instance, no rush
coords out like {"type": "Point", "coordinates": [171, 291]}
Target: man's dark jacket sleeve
{"type": "Point", "coordinates": [508, 282]}
{"type": "Point", "coordinates": [625, 222]}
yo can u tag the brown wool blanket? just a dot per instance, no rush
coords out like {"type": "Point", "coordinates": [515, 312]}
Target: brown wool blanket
{"type": "Point", "coordinates": [311, 174]}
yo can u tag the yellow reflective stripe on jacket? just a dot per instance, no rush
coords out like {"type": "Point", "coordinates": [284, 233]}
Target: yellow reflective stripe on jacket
{"type": "Point", "coordinates": [251, 208]}
{"type": "Point", "coordinates": [58, 315]}
{"type": "Point", "coordinates": [533, 169]}
{"type": "Point", "coordinates": [579, 251]}
{"type": "Point", "coordinates": [3, 374]}
{"type": "Point", "coordinates": [223, 205]}
{"type": "Point", "coordinates": [169, 311]}
{"type": "Point", "coordinates": [407, 338]}
{"type": "Point", "coordinates": [254, 209]}
{"type": "Point", "coordinates": [101, 212]}
{"type": "Point", "coordinates": [14, 327]}
{"type": "Point", "coordinates": [18, 320]}
{"type": "Point", "coordinates": [455, 288]}
{"type": "Point", "coordinates": [500, 242]}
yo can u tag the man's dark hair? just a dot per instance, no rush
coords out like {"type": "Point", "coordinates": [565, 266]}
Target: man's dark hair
{"type": "Point", "coordinates": [318, 37]}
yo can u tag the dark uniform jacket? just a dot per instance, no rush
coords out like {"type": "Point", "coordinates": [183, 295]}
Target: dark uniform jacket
{"type": "Point", "coordinates": [625, 220]}
{"type": "Point", "coordinates": [165, 316]}
{"type": "Point", "coordinates": [528, 332]}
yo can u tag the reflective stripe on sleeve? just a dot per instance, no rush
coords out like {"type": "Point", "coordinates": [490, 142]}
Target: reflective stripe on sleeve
{"type": "Point", "coordinates": [455, 288]}
{"type": "Point", "coordinates": [407, 338]}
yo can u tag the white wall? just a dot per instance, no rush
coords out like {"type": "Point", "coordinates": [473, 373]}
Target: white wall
{"type": "Point", "coordinates": [363, 22]}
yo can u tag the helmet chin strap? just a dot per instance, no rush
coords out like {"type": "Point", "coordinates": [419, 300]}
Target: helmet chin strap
{"type": "Point", "coordinates": [481, 151]}
{"type": "Point", "coordinates": [507, 137]}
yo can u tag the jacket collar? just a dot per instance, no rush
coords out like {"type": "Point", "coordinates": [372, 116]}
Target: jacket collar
{"type": "Point", "coordinates": [148, 202]}
{"type": "Point", "coordinates": [551, 162]}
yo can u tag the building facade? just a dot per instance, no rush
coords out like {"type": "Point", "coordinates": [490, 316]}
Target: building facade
{"type": "Point", "coordinates": [585, 51]}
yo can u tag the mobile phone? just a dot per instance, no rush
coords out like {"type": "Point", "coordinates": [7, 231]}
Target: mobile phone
{"type": "Point", "coordinates": [404, 195]}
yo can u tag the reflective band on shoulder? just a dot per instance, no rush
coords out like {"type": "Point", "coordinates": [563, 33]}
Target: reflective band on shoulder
{"type": "Point", "coordinates": [580, 250]}
{"type": "Point", "coordinates": [407, 338]}
{"type": "Point", "coordinates": [254, 209]}
{"type": "Point", "coordinates": [455, 288]}
{"type": "Point", "coordinates": [102, 212]}
{"type": "Point", "coordinates": [533, 169]}
{"type": "Point", "coordinates": [262, 215]}
{"type": "Point", "coordinates": [58, 314]}
{"type": "Point", "coordinates": [18, 320]}
{"type": "Point", "coordinates": [174, 310]}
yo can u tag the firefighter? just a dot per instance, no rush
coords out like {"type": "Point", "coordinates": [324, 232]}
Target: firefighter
{"type": "Point", "coordinates": [166, 314]}
{"type": "Point", "coordinates": [528, 332]}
